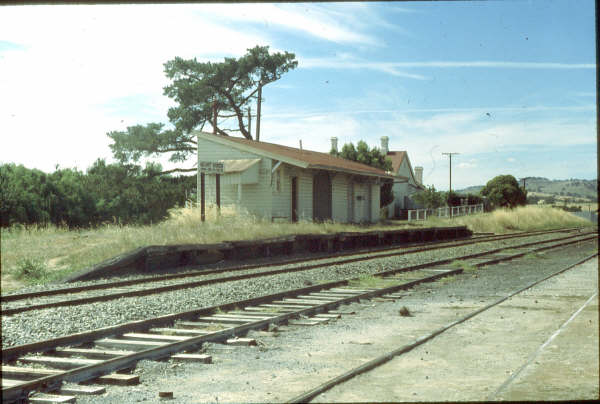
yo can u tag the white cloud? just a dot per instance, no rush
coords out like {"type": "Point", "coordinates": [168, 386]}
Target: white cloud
{"type": "Point", "coordinates": [60, 86]}
{"type": "Point", "coordinates": [467, 165]}
{"type": "Point", "coordinates": [425, 138]}
{"type": "Point", "coordinates": [495, 64]}
{"type": "Point", "coordinates": [346, 62]}
{"type": "Point", "coordinates": [321, 21]}
{"type": "Point", "coordinates": [393, 68]}
{"type": "Point", "coordinates": [66, 78]}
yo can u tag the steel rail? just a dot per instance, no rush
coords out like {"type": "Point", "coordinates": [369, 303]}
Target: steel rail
{"type": "Point", "coordinates": [428, 246]}
{"type": "Point", "coordinates": [185, 285]}
{"type": "Point", "coordinates": [50, 383]}
{"type": "Point", "coordinates": [374, 363]}
{"type": "Point", "coordinates": [88, 336]}
{"type": "Point", "coordinates": [91, 371]}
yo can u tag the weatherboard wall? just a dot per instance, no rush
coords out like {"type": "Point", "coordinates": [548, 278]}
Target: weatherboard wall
{"type": "Point", "coordinates": [375, 200]}
{"type": "Point", "coordinates": [255, 198]}
{"type": "Point", "coordinates": [271, 196]}
{"type": "Point", "coordinates": [339, 197]}
{"type": "Point", "coordinates": [305, 194]}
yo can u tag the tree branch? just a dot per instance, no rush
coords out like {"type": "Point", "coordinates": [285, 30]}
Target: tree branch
{"type": "Point", "coordinates": [222, 132]}
{"type": "Point", "coordinates": [239, 115]}
{"type": "Point", "coordinates": [245, 100]}
{"type": "Point", "coordinates": [176, 149]}
{"type": "Point", "coordinates": [177, 170]}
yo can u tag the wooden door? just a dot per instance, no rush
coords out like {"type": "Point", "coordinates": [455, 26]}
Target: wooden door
{"type": "Point", "coordinates": [321, 197]}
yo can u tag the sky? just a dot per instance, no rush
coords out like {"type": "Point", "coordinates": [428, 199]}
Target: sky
{"type": "Point", "coordinates": [509, 85]}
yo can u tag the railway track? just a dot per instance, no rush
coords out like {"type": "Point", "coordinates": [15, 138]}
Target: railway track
{"type": "Point", "coordinates": [105, 291]}
{"type": "Point", "coordinates": [96, 355]}
{"type": "Point", "coordinates": [372, 364]}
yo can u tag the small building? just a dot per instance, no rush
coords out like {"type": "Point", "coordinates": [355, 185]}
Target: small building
{"type": "Point", "coordinates": [406, 181]}
{"type": "Point", "coordinates": [284, 183]}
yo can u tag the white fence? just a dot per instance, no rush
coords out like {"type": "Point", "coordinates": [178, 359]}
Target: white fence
{"type": "Point", "coordinates": [423, 214]}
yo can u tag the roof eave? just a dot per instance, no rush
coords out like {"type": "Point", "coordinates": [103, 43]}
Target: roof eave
{"type": "Point", "coordinates": [223, 140]}
{"type": "Point", "coordinates": [349, 171]}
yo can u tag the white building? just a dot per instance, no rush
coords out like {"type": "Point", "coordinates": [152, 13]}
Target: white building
{"type": "Point", "coordinates": [406, 181]}
{"type": "Point", "coordinates": [285, 183]}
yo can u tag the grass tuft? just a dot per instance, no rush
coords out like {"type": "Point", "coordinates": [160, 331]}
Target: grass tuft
{"type": "Point", "coordinates": [369, 281]}
{"type": "Point", "coordinates": [523, 218]}
{"type": "Point", "coordinates": [30, 270]}
{"type": "Point", "coordinates": [466, 267]}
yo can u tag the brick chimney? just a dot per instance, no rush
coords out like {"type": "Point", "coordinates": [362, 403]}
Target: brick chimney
{"type": "Point", "coordinates": [419, 174]}
{"type": "Point", "coordinates": [384, 145]}
{"type": "Point", "coordinates": [334, 143]}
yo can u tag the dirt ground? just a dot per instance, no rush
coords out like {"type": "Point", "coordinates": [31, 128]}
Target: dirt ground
{"type": "Point", "coordinates": [473, 360]}
{"type": "Point", "coordinates": [510, 352]}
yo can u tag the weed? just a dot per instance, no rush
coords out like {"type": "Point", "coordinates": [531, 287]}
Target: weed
{"type": "Point", "coordinates": [466, 267]}
{"type": "Point", "coordinates": [446, 279]}
{"type": "Point", "coordinates": [533, 256]}
{"type": "Point", "coordinates": [369, 281]}
{"type": "Point", "coordinates": [30, 269]}
{"type": "Point", "coordinates": [213, 327]}
{"type": "Point", "coordinates": [404, 312]}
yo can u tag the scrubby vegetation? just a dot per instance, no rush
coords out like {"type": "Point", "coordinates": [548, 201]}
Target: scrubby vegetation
{"type": "Point", "coordinates": [504, 191]}
{"type": "Point", "coordinates": [523, 218]}
{"type": "Point", "coordinates": [36, 254]}
{"type": "Point", "coordinates": [56, 251]}
{"type": "Point", "coordinates": [106, 193]}
{"type": "Point", "coordinates": [430, 198]}
{"type": "Point", "coordinates": [545, 188]}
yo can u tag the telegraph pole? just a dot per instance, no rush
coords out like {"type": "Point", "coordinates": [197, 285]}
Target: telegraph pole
{"type": "Point", "coordinates": [214, 120]}
{"type": "Point", "coordinates": [249, 121]}
{"type": "Point", "coordinates": [450, 192]}
{"type": "Point", "coordinates": [258, 102]}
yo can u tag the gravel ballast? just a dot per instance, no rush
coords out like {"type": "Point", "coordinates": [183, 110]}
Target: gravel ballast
{"type": "Point", "coordinates": [51, 323]}
{"type": "Point", "coordinates": [296, 359]}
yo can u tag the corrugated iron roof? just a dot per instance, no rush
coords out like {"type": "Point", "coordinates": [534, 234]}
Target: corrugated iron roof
{"type": "Point", "coordinates": [311, 158]}
{"type": "Point", "coordinates": [397, 157]}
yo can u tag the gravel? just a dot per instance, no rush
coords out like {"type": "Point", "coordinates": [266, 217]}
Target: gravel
{"type": "Point", "coordinates": [51, 323]}
{"type": "Point", "coordinates": [299, 358]}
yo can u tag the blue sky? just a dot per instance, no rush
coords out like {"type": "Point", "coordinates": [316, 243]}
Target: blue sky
{"type": "Point", "coordinates": [510, 85]}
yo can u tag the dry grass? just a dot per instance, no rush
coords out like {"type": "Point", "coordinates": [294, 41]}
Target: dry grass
{"type": "Point", "coordinates": [525, 218]}
{"type": "Point", "coordinates": [37, 254]}
{"type": "Point", "coordinates": [52, 252]}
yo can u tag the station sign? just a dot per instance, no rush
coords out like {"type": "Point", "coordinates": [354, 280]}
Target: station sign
{"type": "Point", "coordinates": [211, 167]}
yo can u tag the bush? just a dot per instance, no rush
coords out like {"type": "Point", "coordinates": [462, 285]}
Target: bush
{"type": "Point", "coordinates": [32, 269]}
{"type": "Point", "coordinates": [504, 191]}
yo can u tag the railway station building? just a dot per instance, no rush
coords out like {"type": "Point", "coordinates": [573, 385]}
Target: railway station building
{"type": "Point", "coordinates": [282, 183]}
{"type": "Point", "coordinates": [406, 180]}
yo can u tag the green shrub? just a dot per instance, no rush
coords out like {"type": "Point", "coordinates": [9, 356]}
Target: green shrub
{"type": "Point", "coordinates": [30, 268]}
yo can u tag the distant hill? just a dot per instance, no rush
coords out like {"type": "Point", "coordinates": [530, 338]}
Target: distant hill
{"type": "Point", "coordinates": [471, 190]}
{"type": "Point", "coordinates": [573, 188]}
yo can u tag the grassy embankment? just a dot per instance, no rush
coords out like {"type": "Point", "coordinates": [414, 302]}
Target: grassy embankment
{"type": "Point", "coordinates": [38, 255]}
{"type": "Point", "coordinates": [526, 218]}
